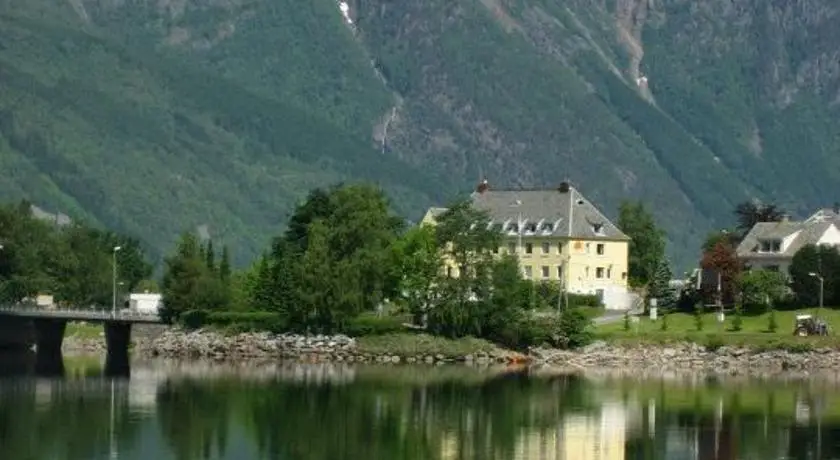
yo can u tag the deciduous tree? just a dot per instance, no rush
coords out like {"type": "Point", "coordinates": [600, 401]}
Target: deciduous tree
{"type": "Point", "coordinates": [647, 242]}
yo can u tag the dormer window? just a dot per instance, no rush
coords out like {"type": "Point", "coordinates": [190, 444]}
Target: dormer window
{"type": "Point", "coordinates": [547, 227]}
{"type": "Point", "coordinates": [513, 227]}
{"type": "Point", "coordinates": [598, 229]}
{"type": "Point", "coordinates": [770, 246]}
{"type": "Point", "coordinates": [530, 227]}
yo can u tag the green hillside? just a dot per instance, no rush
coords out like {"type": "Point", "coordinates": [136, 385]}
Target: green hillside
{"type": "Point", "coordinates": [154, 117]}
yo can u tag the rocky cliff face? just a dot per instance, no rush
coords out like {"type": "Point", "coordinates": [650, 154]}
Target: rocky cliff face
{"type": "Point", "coordinates": [691, 105]}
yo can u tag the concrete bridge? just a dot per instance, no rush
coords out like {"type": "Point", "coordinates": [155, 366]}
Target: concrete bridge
{"type": "Point", "coordinates": [22, 326]}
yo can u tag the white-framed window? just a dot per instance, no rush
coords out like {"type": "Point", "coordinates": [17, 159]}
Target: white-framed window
{"type": "Point", "coordinates": [529, 248]}
{"type": "Point", "coordinates": [600, 249]}
{"type": "Point", "coordinates": [546, 247]}
{"type": "Point", "coordinates": [528, 272]}
{"type": "Point", "coordinates": [546, 271]}
{"type": "Point", "coordinates": [599, 272]}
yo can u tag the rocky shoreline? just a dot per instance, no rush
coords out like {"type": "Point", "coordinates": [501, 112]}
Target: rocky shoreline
{"type": "Point", "coordinates": [681, 357]}
{"type": "Point", "coordinates": [318, 348]}
{"type": "Point", "coordinates": [177, 344]}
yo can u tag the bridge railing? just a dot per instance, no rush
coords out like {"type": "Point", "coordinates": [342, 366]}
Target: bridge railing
{"type": "Point", "coordinates": [92, 313]}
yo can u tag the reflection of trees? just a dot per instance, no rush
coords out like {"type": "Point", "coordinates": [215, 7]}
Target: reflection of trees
{"type": "Point", "coordinates": [73, 424]}
{"type": "Point", "coordinates": [367, 419]}
{"type": "Point", "coordinates": [194, 417]}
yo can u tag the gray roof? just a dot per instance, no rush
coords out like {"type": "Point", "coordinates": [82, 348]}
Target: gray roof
{"type": "Point", "coordinates": [548, 206]}
{"type": "Point", "coordinates": [811, 231]}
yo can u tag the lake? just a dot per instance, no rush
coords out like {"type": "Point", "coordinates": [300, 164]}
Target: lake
{"type": "Point", "coordinates": [170, 410]}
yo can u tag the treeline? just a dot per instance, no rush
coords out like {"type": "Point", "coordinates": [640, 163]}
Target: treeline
{"type": "Point", "coordinates": [74, 263]}
{"type": "Point", "coordinates": [347, 263]}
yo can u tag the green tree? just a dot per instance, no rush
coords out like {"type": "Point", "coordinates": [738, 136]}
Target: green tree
{"type": "Point", "coordinates": [317, 287]}
{"type": "Point", "coordinates": [468, 243]}
{"type": "Point", "coordinates": [660, 288]}
{"type": "Point", "coordinates": [750, 213]}
{"type": "Point", "coordinates": [647, 242]}
{"type": "Point", "coordinates": [823, 261]}
{"type": "Point", "coordinates": [762, 288]}
{"type": "Point", "coordinates": [418, 263]}
{"type": "Point", "coordinates": [224, 265]}
{"type": "Point", "coordinates": [182, 278]}
{"type": "Point", "coordinates": [210, 255]}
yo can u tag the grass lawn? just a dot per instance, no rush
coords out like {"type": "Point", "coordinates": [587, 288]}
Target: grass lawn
{"type": "Point", "coordinates": [411, 344]}
{"type": "Point", "coordinates": [754, 330]}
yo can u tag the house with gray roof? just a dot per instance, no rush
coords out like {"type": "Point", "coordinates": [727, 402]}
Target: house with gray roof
{"type": "Point", "coordinates": [558, 235]}
{"type": "Point", "coordinates": [772, 245]}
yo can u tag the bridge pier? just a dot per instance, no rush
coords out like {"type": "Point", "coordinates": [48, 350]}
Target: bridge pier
{"type": "Point", "coordinates": [117, 339]}
{"type": "Point", "coordinates": [49, 334]}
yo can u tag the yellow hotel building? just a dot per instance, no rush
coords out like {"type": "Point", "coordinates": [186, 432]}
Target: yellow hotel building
{"type": "Point", "coordinates": [558, 235]}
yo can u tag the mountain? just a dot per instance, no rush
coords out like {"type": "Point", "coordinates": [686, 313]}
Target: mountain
{"type": "Point", "coordinates": [155, 117]}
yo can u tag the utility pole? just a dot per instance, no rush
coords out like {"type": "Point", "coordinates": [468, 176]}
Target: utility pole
{"type": "Point", "coordinates": [114, 281]}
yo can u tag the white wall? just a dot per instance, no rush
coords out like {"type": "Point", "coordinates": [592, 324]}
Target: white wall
{"type": "Point", "coordinates": [831, 236]}
{"type": "Point", "coordinates": [145, 303]}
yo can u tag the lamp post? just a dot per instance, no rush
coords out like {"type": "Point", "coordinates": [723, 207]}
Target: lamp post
{"type": "Point", "coordinates": [822, 289]}
{"type": "Point", "coordinates": [114, 281]}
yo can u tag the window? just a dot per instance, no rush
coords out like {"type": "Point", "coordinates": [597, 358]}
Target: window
{"type": "Point", "coordinates": [546, 272]}
{"type": "Point", "coordinates": [559, 272]}
{"type": "Point", "coordinates": [531, 227]}
{"type": "Point", "coordinates": [511, 248]}
{"type": "Point", "coordinates": [528, 273]}
{"type": "Point", "coordinates": [770, 246]}
{"type": "Point", "coordinates": [513, 227]}
{"type": "Point", "coordinates": [559, 248]}
{"type": "Point", "coordinates": [623, 275]}
{"type": "Point", "coordinates": [449, 272]}
{"type": "Point", "coordinates": [529, 248]}
{"type": "Point", "coordinates": [546, 247]}
{"type": "Point", "coordinates": [547, 227]}
{"type": "Point", "coordinates": [586, 272]}
{"type": "Point", "coordinates": [609, 272]}
{"type": "Point", "coordinates": [599, 249]}
{"type": "Point", "coordinates": [599, 272]}
{"type": "Point", "coordinates": [598, 229]}
{"type": "Point", "coordinates": [588, 247]}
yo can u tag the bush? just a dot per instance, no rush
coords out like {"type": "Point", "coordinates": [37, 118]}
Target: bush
{"type": "Point", "coordinates": [193, 319]}
{"type": "Point", "coordinates": [247, 321]}
{"type": "Point", "coordinates": [584, 300]}
{"type": "Point", "coordinates": [698, 317]}
{"type": "Point", "coordinates": [713, 342]}
{"type": "Point", "coordinates": [365, 325]}
{"type": "Point", "coordinates": [772, 325]}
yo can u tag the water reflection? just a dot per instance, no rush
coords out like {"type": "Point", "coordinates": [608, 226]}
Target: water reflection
{"type": "Point", "coordinates": [171, 410]}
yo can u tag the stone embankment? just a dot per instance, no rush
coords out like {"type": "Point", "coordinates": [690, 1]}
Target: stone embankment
{"type": "Point", "coordinates": [690, 357]}
{"type": "Point", "coordinates": [318, 348]}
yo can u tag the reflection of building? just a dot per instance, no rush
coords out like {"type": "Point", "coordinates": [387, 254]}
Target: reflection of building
{"type": "Point", "coordinates": [596, 438]}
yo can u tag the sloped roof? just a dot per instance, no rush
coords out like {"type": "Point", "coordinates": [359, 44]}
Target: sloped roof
{"type": "Point", "coordinates": [810, 233]}
{"type": "Point", "coordinates": [550, 206]}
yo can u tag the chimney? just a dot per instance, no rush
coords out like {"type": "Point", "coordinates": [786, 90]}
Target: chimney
{"type": "Point", "coordinates": [564, 187]}
{"type": "Point", "coordinates": [483, 186]}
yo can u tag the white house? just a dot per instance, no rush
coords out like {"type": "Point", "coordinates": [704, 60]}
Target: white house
{"type": "Point", "coordinates": [772, 245]}
{"type": "Point", "coordinates": [146, 302]}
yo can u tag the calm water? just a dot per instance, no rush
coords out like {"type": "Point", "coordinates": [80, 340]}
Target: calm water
{"type": "Point", "coordinates": [179, 411]}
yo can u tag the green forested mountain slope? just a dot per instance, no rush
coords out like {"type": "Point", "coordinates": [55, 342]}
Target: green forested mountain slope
{"type": "Point", "coordinates": [151, 117]}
